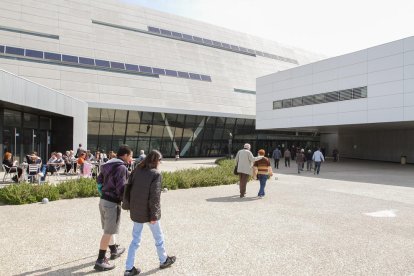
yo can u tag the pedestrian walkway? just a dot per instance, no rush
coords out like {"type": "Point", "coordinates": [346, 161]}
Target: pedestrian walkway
{"type": "Point", "coordinates": [306, 225]}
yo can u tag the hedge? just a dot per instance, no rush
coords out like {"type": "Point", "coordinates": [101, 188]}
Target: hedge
{"type": "Point", "coordinates": [85, 187]}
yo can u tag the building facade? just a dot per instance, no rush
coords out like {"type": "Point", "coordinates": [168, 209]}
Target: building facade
{"type": "Point", "coordinates": [150, 79]}
{"type": "Point", "coordinates": [361, 103]}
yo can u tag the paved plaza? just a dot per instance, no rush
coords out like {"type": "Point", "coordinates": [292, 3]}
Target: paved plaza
{"type": "Point", "coordinates": [355, 218]}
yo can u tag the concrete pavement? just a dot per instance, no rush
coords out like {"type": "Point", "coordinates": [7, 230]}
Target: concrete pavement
{"type": "Point", "coordinates": [355, 218]}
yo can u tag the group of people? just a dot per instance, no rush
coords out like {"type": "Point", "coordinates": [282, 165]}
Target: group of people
{"type": "Point", "coordinates": [260, 168]}
{"type": "Point", "coordinates": [139, 192]}
{"type": "Point", "coordinates": [301, 157]}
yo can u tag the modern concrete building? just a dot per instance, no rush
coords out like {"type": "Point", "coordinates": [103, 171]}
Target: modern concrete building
{"type": "Point", "coordinates": [361, 103]}
{"type": "Point", "coordinates": [149, 79]}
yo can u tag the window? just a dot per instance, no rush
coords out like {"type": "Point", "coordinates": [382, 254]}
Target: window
{"type": "Point", "coordinates": [225, 45]}
{"type": "Point", "coordinates": [177, 35]}
{"type": "Point", "coordinates": [87, 61]}
{"type": "Point", "coordinates": [68, 58]}
{"type": "Point", "coordinates": [208, 41]}
{"type": "Point", "coordinates": [277, 104]}
{"type": "Point", "coordinates": [34, 53]}
{"type": "Point", "coordinates": [171, 73]}
{"type": "Point", "coordinates": [259, 53]}
{"type": "Point", "coordinates": [14, 51]}
{"type": "Point", "coordinates": [216, 43]}
{"type": "Point", "coordinates": [165, 32]}
{"type": "Point", "coordinates": [287, 103]}
{"type": "Point", "coordinates": [153, 30]}
{"type": "Point", "coordinates": [188, 37]}
{"type": "Point", "coordinates": [251, 51]}
{"type": "Point", "coordinates": [131, 67]}
{"type": "Point", "coordinates": [360, 92]}
{"type": "Point", "coordinates": [234, 47]}
{"type": "Point", "coordinates": [102, 63]}
{"type": "Point", "coordinates": [183, 75]}
{"type": "Point", "coordinates": [158, 71]}
{"type": "Point", "coordinates": [307, 100]}
{"type": "Point", "coordinates": [195, 76]}
{"type": "Point", "coordinates": [1, 49]}
{"type": "Point", "coordinates": [297, 101]}
{"type": "Point", "coordinates": [331, 97]}
{"type": "Point", "coordinates": [243, 49]}
{"type": "Point", "coordinates": [319, 98]}
{"type": "Point", "coordinates": [345, 94]}
{"type": "Point", "coordinates": [205, 78]}
{"type": "Point", "coordinates": [53, 56]}
{"type": "Point", "coordinates": [198, 39]}
{"type": "Point", "coordinates": [117, 65]}
{"type": "Point", "coordinates": [145, 69]}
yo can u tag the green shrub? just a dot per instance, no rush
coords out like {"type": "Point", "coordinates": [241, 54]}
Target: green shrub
{"type": "Point", "coordinates": [86, 187]}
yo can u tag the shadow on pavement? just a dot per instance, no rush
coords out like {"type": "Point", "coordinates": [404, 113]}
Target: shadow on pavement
{"type": "Point", "coordinates": [234, 198]}
{"type": "Point", "coordinates": [53, 270]}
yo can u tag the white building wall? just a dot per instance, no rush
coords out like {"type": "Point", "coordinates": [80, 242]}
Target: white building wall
{"type": "Point", "coordinates": [387, 71]}
{"type": "Point", "coordinates": [15, 89]}
{"type": "Point", "coordinates": [72, 21]}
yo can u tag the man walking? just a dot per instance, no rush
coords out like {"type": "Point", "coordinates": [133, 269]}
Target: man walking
{"type": "Point", "coordinates": [244, 160]}
{"type": "Point", "coordinates": [287, 157]}
{"type": "Point", "coordinates": [276, 156]}
{"type": "Point", "coordinates": [113, 177]}
{"type": "Point", "coordinates": [318, 158]}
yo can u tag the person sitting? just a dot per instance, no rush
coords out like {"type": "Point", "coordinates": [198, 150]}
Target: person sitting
{"type": "Point", "coordinates": [54, 163]}
{"type": "Point", "coordinates": [68, 161]}
{"type": "Point", "coordinates": [11, 166]}
{"type": "Point", "coordinates": [31, 160]}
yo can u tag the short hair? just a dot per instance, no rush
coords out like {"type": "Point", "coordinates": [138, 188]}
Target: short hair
{"type": "Point", "coordinates": [123, 149]}
{"type": "Point", "coordinates": [141, 152]}
{"type": "Point", "coordinates": [80, 145]}
{"type": "Point", "coordinates": [262, 152]}
{"type": "Point", "coordinates": [7, 155]}
{"type": "Point", "coordinates": [247, 146]}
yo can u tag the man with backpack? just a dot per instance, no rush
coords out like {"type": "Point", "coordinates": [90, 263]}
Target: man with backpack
{"type": "Point", "coordinates": [113, 177]}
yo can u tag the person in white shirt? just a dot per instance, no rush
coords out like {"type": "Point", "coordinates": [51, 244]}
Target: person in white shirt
{"type": "Point", "coordinates": [318, 159]}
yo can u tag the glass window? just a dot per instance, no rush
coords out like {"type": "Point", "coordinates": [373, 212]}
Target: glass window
{"type": "Point", "coordinates": [187, 37]}
{"type": "Point", "coordinates": [30, 120]}
{"type": "Point", "coordinates": [360, 92]}
{"type": "Point", "coordinates": [117, 65]}
{"type": "Point", "coordinates": [331, 96]}
{"type": "Point", "coordinates": [205, 78]}
{"type": "Point", "coordinates": [195, 76]}
{"type": "Point", "coordinates": [216, 43]}
{"type": "Point", "coordinates": [251, 51]}
{"type": "Point", "coordinates": [107, 123]}
{"type": "Point", "coordinates": [234, 47]}
{"type": "Point", "coordinates": [319, 98]}
{"type": "Point", "coordinates": [12, 118]}
{"type": "Point", "coordinates": [243, 49]}
{"type": "Point", "coordinates": [307, 100]}
{"type": "Point", "coordinates": [267, 55]}
{"type": "Point", "coordinates": [145, 69]}
{"type": "Point", "coordinates": [131, 67]}
{"type": "Point", "coordinates": [297, 101]}
{"type": "Point", "coordinates": [171, 73]}
{"type": "Point", "coordinates": [158, 71]}
{"type": "Point", "coordinates": [198, 39]}
{"type": "Point", "coordinates": [120, 124]}
{"type": "Point", "coordinates": [134, 119]}
{"type": "Point", "coordinates": [165, 32]}
{"type": "Point", "coordinates": [287, 103]}
{"type": "Point", "coordinates": [1, 49]}
{"type": "Point", "coordinates": [277, 104]}
{"type": "Point", "coordinates": [87, 61]}
{"type": "Point", "coordinates": [102, 63]}
{"type": "Point", "coordinates": [53, 56]}
{"type": "Point", "coordinates": [183, 75]}
{"type": "Point", "coordinates": [69, 58]}
{"type": "Point", "coordinates": [207, 41]}
{"type": "Point", "coordinates": [153, 30]}
{"type": "Point", "coordinates": [225, 45]}
{"type": "Point", "coordinates": [259, 53]}
{"type": "Point", "coordinates": [177, 35]}
{"type": "Point", "coordinates": [345, 94]}
{"type": "Point", "coordinates": [33, 53]}
{"type": "Point", "coordinates": [15, 51]}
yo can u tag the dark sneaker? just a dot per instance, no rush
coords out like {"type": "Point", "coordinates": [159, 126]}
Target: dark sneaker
{"type": "Point", "coordinates": [168, 262]}
{"type": "Point", "coordinates": [133, 271]}
{"type": "Point", "coordinates": [103, 265]}
{"type": "Point", "coordinates": [117, 253]}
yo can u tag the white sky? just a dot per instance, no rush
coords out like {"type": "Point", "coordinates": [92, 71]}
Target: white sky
{"type": "Point", "coordinates": [329, 27]}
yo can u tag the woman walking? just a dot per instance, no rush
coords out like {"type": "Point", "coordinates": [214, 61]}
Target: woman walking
{"type": "Point", "coordinates": [142, 197]}
{"type": "Point", "coordinates": [264, 170]}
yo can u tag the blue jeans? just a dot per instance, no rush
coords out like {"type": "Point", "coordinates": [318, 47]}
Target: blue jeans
{"type": "Point", "coordinates": [317, 167]}
{"type": "Point", "coordinates": [136, 242]}
{"type": "Point", "coordinates": [262, 178]}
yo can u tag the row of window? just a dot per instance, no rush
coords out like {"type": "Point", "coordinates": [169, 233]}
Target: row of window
{"type": "Point", "coordinates": [102, 64]}
{"type": "Point", "coordinates": [335, 96]}
{"type": "Point", "coordinates": [244, 91]}
{"type": "Point", "coordinates": [217, 44]}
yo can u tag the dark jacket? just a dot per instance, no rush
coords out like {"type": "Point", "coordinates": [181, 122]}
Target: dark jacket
{"type": "Point", "coordinates": [113, 178]}
{"type": "Point", "coordinates": [143, 195]}
{"type": "Point", "coordinates": [277, 154]}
